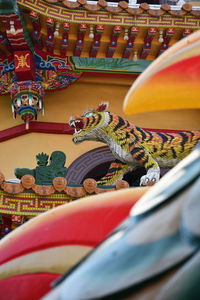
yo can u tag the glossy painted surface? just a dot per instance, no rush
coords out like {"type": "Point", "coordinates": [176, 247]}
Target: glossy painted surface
{"type": "Point", "coordinates": [142, 247]}
{"type": "Point", "coordinates": [170, 82]}
{"type": "Point", "coordinates": [54, 241]}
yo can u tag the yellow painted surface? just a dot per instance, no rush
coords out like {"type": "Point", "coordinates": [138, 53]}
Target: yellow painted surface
{"type": "Point", "coordinates": [20, 152]}
{"type": "Point", "coordinates": [170, 82]}
{"type": "Point", "coordinates": [88, 92]}
{"type": "Point", "coordinates": [53, 260]}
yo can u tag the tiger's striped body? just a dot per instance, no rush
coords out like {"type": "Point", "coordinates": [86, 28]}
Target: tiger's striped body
{"type": "Point", "coordinates": [133, 146]}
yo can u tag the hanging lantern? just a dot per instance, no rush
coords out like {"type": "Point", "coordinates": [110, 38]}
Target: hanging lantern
{"type": "Point", "coordinates": [27, 100]}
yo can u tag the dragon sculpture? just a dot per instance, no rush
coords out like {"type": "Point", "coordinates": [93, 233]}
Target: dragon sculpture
{"type": "Point", "coordinates": [131, 145]}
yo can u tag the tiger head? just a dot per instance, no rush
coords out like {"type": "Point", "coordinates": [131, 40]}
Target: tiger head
{"type": "Point", "coordinates": [88, 126]}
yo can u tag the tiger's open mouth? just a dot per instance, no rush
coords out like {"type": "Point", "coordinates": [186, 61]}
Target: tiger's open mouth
{"type": "Point", "coordinates": [77, 125]}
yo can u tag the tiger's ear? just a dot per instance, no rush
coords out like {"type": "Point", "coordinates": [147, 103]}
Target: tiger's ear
{"type": "Point", "coordinates": [103, 106]}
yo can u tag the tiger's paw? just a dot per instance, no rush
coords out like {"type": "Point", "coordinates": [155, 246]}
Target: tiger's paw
{"type": "Point", "coordinates": [152, 176]}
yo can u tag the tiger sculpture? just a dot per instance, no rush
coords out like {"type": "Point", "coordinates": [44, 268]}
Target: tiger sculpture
{"type": "Point", "coordinates": [131, 145]}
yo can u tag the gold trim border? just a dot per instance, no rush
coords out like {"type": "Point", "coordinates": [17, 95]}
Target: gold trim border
{"type": "Point", "coordinates": [105, 18]}
{"type": "Point", "coordinates": [30, 204]}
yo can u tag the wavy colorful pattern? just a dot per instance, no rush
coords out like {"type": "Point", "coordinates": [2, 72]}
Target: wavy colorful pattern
{"type": "Point", "coordinates": [170, 82]}
{"type": "Point", "coordinates": [36, 253]}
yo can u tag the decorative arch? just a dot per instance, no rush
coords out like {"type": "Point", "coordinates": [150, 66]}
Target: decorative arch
{"type": "Point", "coordinates": [86, 162]}
{"type": "Point", "coordinates": [92, 159]}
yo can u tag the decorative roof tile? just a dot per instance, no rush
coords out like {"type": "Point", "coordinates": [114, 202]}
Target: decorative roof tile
{"type": "Point", "coordinates": [59, 185]}
{"type": "Point", "coordinates": [134, 11]}
{"type": "Point", "coordinates": [70, 4]}
{"type": "Point", "coordinates": [187, 7]}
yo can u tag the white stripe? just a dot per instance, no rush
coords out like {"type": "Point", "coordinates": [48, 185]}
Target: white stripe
{"type": "Point", "coordinates": [52, 260]}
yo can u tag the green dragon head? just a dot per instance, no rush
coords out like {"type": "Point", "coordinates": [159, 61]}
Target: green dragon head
{"type": "Point", "coordinates": [88, 126]}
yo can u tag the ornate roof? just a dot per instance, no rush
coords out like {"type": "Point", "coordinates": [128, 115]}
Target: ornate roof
{"type": "Point", "coordinates": [100, 29]}
{"type": "Point", "coordinates": [15, 197]}
{"type": "Point", "coordinates": [132, 9]}
{"type": "Point", "coordinates": [47, 45]}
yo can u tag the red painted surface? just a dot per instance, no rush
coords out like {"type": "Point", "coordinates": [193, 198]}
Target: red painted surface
{"type": "Point", "coordinates": [85, 222]}
{"type": "Point", "coordinates": [42, 127]}
{"type": "Point", "coordinates": [24, 65]}
{"type": "Point", "coordinates": [185, 72]}
{"type": "Point", "coordinates": [129, 49]}
{"type": "Point", "coordinates": [26, 286]}
{"type": "Point", "coordinates": [49, 127]}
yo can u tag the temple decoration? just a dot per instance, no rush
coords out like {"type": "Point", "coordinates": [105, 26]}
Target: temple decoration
{"type": "Point", "coordinates": [28, 199]}
{"type": "Point", "coordinates": [147, 42]}
{"type": "Point", "coordinates": [113, 41]}
{"type": "Point", "coordinates": [135, 56]}
{"type": "Point", "coordinates": [126, 34]}
{"type": "Point", "coordinates": [27, 100]}
{"type": "Point", "coordinates": [5, 226]}
{"type": "Point", "coordinates": [28, 68]}
{"type": "Point", "coordinates": [26, 93]}
{"type": "Point", "coordinates": [57, 27]}
{"type": "Point", "coordinates": [89, 187]}
{"type": "Point", "coordinates": [50, 35]}
{"type": "Point", "coordinates": [131, 145]}
{"type": "Point", "coordinates": [38, 47]}
{"type": "Point", "coordinates": [186, 32]}
{"type": "Point", "coordinates": [44, 173]}
{"type": "Point", "coordinates": [26, 73]}
{"type": "Point", "coordinates": [65, 39]}
{"type": "Point", "coordinates": [91, 33]}
{"type": "Point", "coordinates": [160, 39]}
{"type": "Point", "coordinates": [41, 189]}
{"type": "Point", "coordinates": [167, 38]}
{"type": "Point", "coordinates": [80, 39]}
{"type": "Point", "coordinates": [97, 41]}
{"type": "Point", "coordinates": [36, 35]}
{"type": "Point", "coordinates": [5, 43]}
{"type": "Point", "coordinates": [130, 42]}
